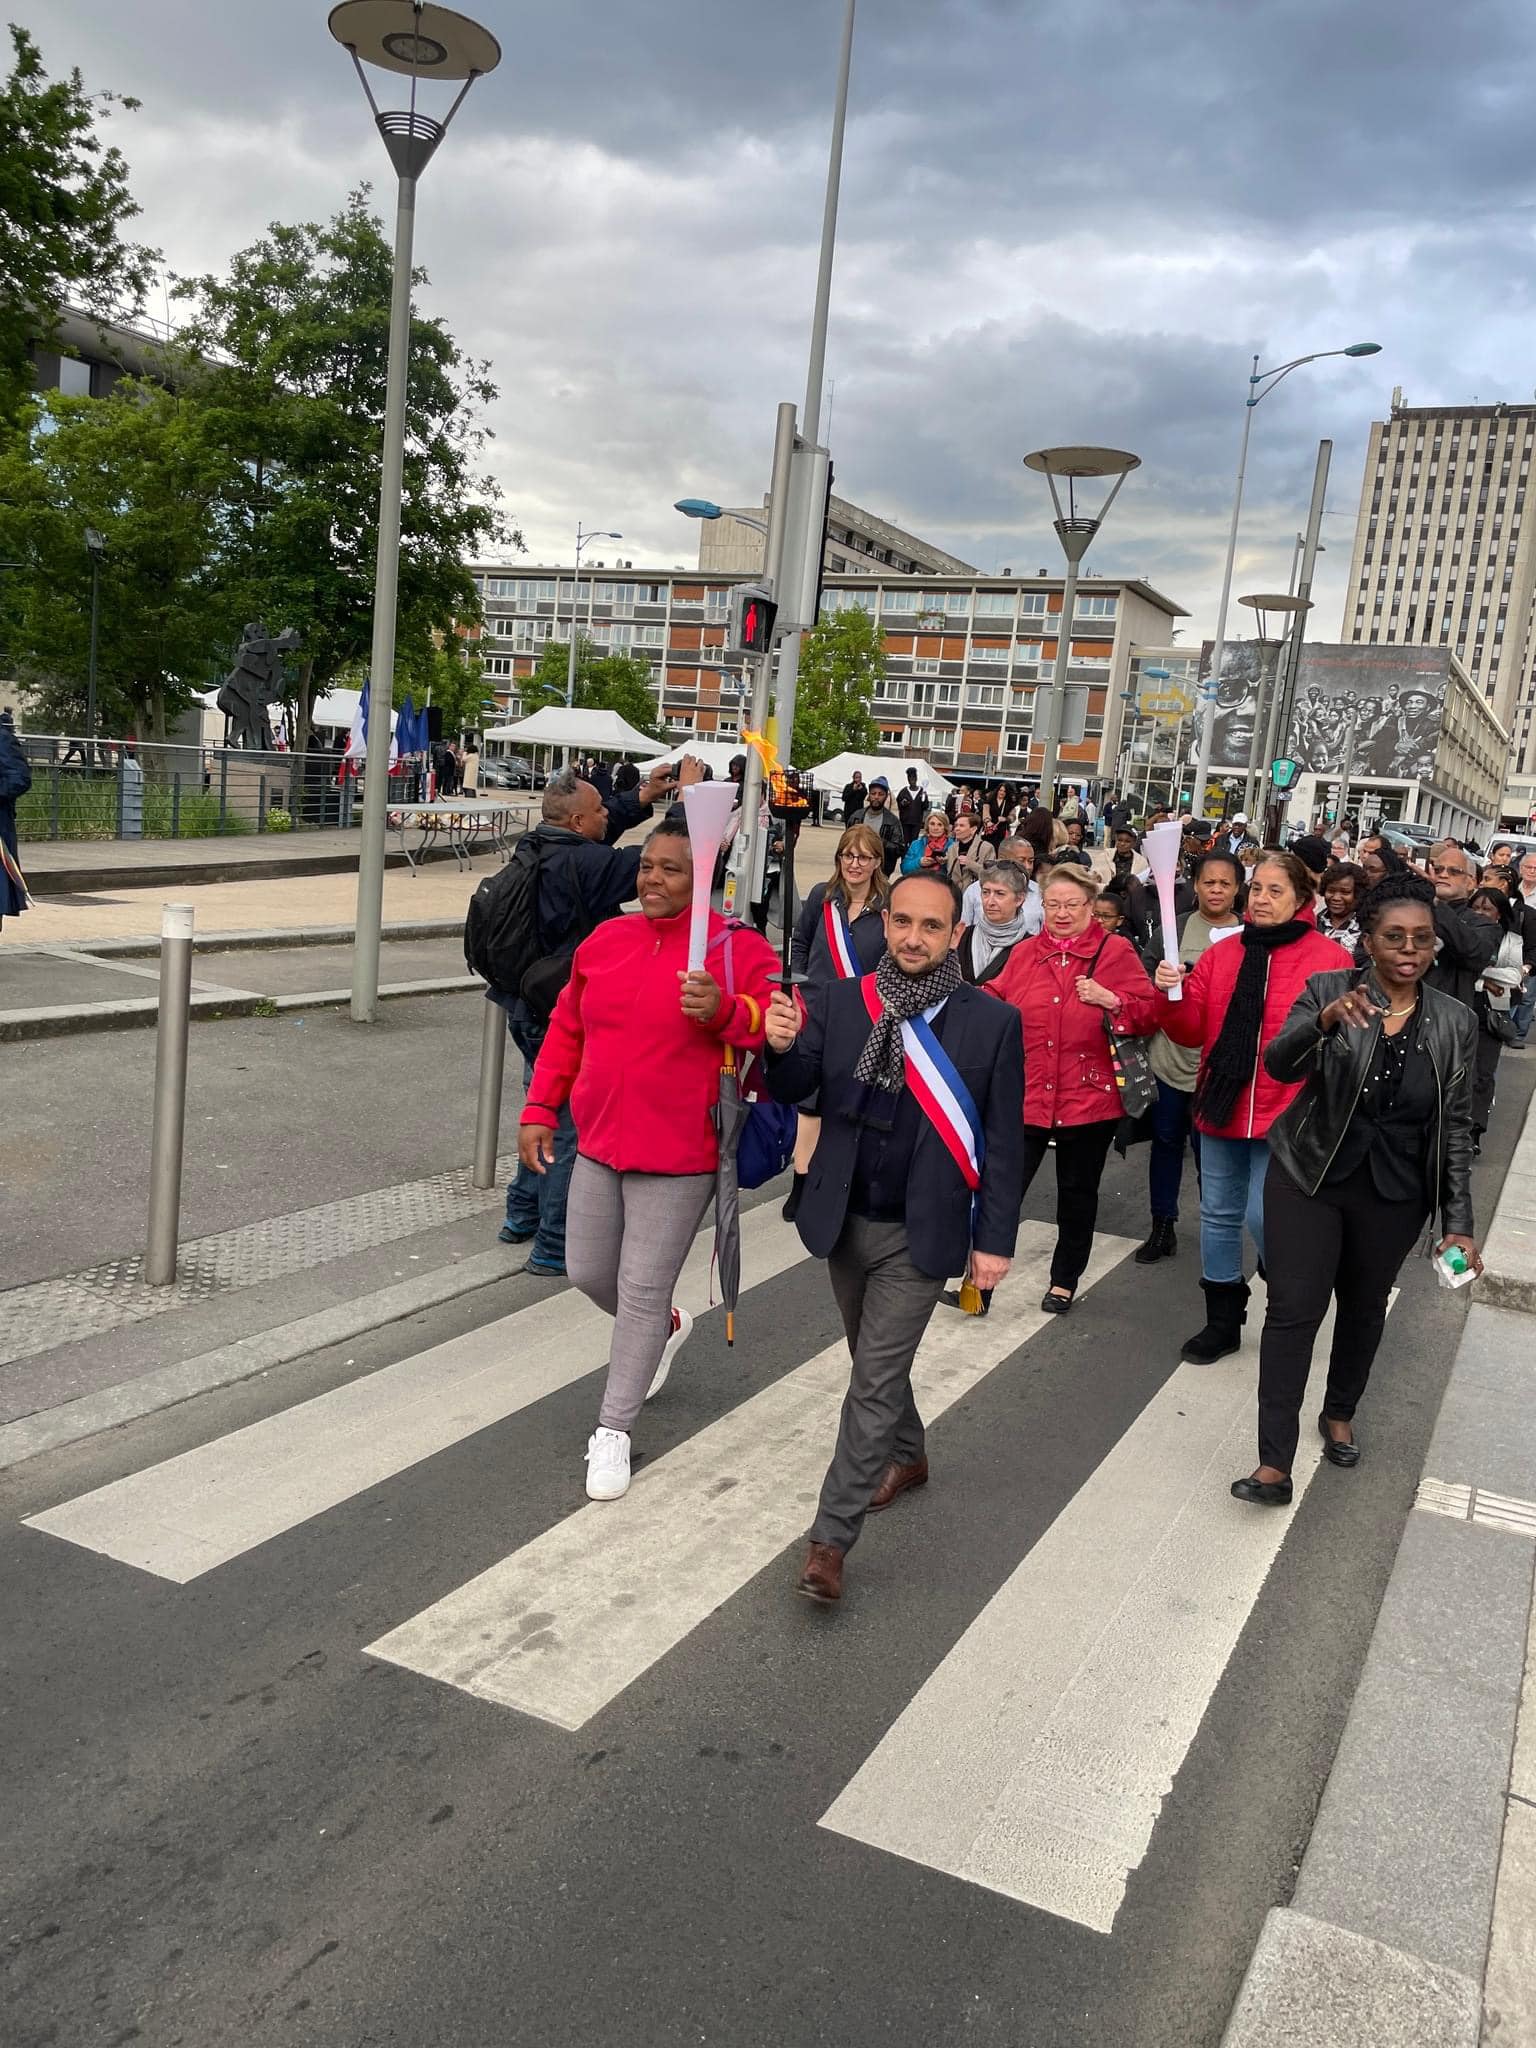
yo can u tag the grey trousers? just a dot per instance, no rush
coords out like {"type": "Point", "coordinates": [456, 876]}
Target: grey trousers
{"type": "Point", "coordinates": [626, 1237]}
{"type": "Point", "coordinates": [885, 1304]}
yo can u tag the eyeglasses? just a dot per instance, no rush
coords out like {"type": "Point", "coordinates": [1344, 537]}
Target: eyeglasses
{"type": "Point", "coordinates": [858, 860]}
{"type": "Point", "coordinates": [1440, 867]}
{"type": "Point", "coordinates": [1416, 941]}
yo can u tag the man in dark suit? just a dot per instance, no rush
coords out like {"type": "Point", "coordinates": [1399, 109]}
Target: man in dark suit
{"type": "Point", "coordinates": [887, 1202]}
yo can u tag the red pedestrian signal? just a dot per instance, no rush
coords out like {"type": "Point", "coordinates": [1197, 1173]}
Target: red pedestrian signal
{"type": "Point", "coordinates": [753, 613]}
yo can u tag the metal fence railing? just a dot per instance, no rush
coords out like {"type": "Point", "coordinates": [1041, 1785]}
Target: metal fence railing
{"type": "Point", "coordinates": [125, 789]}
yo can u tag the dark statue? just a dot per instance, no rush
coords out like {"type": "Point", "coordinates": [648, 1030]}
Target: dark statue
{"type": "Point", "coordinates": [254, 684]}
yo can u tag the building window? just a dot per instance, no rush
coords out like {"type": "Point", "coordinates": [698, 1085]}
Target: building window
{"type": "Point", "coordinates": [1096, 607]}
{"type": "Point", "coordinates": [995, 603]}
{"type": "Point", "coordinates": [497, 665]}
{"type": "Point", "coordinates": [1032, 603]}
{"type": "Point", "coordinates": [900, 601]}
{"type": "Point", "coordinates": [984, 696]}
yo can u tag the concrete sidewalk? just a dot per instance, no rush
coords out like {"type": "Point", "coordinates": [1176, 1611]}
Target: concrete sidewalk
{"type": "Point", "coordinates": [1414, 1915]}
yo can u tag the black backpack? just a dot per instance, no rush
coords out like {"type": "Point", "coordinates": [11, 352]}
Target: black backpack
{"type": "Point", "coordinates": [502, 943]}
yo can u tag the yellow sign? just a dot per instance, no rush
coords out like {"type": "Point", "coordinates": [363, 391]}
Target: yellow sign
{"type": "Point", "coordinates": [1167, 706]}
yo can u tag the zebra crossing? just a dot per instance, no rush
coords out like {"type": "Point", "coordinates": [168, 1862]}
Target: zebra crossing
{"type": "Point", "coordinates": [1026, 1763]}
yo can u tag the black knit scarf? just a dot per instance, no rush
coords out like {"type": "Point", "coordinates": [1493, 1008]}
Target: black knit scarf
{"type": "Point", "coordinates": [882, 1064]}
{"type": "Point", "coordinates": [1235, 1055]}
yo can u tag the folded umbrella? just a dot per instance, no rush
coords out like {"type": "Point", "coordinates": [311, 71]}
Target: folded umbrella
{"type": "Point", "coordinates": [729, 1114]}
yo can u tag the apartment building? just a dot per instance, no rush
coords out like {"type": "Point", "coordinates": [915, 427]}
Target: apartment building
{"type": "Point", "coordinates": [965, 654]}
{"type": "Point", "coordinates": [1444, 557]}
{"type": "Point", "coordinates": [858, 543]}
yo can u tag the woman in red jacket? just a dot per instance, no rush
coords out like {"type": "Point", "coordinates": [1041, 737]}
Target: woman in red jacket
{"type": "Point", "coordinates": [635, 1046]}
{"type": "Point", "coordinates": [1064, 983]}
{"type": "Point", "coordinates": [1235, 1000]}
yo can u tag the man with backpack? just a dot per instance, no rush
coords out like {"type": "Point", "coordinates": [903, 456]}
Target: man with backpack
{"type": "Point", "coordinates": [525, 921]}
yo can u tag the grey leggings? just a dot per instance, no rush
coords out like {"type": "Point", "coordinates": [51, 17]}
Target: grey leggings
{"type": "Point", "coordinates": [626, 1237]}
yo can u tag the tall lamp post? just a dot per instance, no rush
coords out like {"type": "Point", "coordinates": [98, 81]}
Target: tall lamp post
{"type": "Point", "coordinates": [417, 42]}
{"type": "Point", "coordinates": [1075, 530]}
{"type": "Point", "coordinates": [1260, 384]}
{"type": "Point", "coordinates": [96, 548]}
{"type": "Point", "coordinates": [582, 537]}
{"type": "Point", "coordinates": [1285, 605]}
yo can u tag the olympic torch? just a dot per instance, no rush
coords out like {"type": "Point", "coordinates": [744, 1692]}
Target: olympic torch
{"type": "Point", "coordinates": [1164, 843]}
{"type": "Point", "coordinates": [707, 807]}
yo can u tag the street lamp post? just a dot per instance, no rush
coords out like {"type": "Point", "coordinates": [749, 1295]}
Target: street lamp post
{"type": "Point", "coordinates": [1075, 530]}
{"type": "Point", "coordinates": [417, 42]}
{"type": "Point", "coordinates": [1260, 384]}
{"type": "Point", "coordinates": [582, 537]}
{"type": "Point", "coordinates": [810, 417]}
{"type": "Point", "coordinates": [96, 548]}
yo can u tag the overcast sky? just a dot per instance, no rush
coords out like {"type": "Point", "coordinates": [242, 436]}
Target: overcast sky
{"type": "Point", "coordinates": [1059, 224]}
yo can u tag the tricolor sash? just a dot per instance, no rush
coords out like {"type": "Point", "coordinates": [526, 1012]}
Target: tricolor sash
{"type": "Point", "coordinates": [839, 940]}
{"type": "Point", "coordinates": [937, 1087]}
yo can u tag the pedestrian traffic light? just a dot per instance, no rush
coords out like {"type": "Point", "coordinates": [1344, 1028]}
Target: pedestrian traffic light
{"type": "Point", "coordinates": [753, 613]}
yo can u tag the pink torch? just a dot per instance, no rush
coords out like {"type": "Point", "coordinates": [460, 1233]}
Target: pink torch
{"type": "Point", "coordinates": [1164, 843]}
{"type": "Point", "coordinates": [708, 807]}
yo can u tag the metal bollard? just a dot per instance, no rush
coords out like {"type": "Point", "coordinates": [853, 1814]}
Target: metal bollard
{"type": "Point", "coordinates": [170, 1110]}
{"type": "Point", "coordinates": [493, 1057]}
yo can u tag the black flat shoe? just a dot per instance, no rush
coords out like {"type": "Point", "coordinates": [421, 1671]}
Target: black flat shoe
{"type": "Point", "coordinates": [1263, 1493]}
{"type": "Point", "coordinates": [1056, 1304]}
{"type": "Point", "coordinates": [1346, 1456]}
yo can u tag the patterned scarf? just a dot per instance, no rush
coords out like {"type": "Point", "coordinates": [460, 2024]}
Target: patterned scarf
{"type": "Point", "coordinates": [882, 1063]}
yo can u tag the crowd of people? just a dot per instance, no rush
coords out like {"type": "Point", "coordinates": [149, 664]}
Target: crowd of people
{"type": "Point", "coordinates": [972, 996]}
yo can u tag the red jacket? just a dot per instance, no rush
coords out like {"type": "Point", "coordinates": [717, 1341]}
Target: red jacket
{"type": "Point", "coordinates": [1068, 1075]}
{"type": "Point", "coordinates": [1198, 1019]}
{"type": "Point", "coordinates": [641, 1078]}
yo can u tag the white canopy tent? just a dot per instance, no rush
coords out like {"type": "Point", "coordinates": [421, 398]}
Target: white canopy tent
{"type": "Point", "coordinates": [584, 732]}
{"type": "Point", "coordinates": [831, 775]}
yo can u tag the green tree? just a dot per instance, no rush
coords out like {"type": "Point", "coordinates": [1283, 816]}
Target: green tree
{"type": "Point", "coordinates": [143, 468]}
{"type": "Point", "coordinates": [290, 352]}
{"type": "Point", "coordinates": [63, 202]}
{"type": "Point", "coordinates": [842, 664]}
{"type": "Point", "coordinates": [604, 682]}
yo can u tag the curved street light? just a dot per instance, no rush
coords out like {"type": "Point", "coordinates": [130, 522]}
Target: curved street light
{"type": "Point", "coordinates": [582, 537]}
{"type": "Point", "coordinates": [1260, 384]}
{"type": "Point", "coordinates": [424, 44]}
{"type": "Point", "coordinates": [1075, 530]}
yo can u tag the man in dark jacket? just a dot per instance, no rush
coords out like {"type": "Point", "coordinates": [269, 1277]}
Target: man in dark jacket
{"type": "Point", "coordinates": [584, 879]}
{"type": "Point", "coordinates": [15, 781]}
{"type": "Point", "coordinates": [854, 794]}
{"type": "Point", "coordinates": [886, 1204]}
{"type": "Point", "coordinates": [1467, 942]}
{"type": "Point", "coordinates": [912, 808]}
{"type": "Point", "coordinates": [880, 819]}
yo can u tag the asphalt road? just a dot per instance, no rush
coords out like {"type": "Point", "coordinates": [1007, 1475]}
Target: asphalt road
{"type": "Point", "coordinates": [227, 1821]}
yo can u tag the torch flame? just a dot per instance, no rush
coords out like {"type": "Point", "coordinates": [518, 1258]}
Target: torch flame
{"type": "Point", "coordinates": [783, 794]}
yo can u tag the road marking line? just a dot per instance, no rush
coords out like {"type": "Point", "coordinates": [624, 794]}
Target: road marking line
{"type": "Point", "coordinates": [562, 1626]}
{"type": "Point", "coordinates": [1036, 1758]}
{"type": "Point", "coordinates": [181, 1518]}
{"type": "Point", "coordinates": [1477, 1504]}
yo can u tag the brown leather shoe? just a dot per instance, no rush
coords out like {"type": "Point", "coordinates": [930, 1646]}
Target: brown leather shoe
{"type": "Point", "coordinates": [896, 1479]}
{"type": "Point", "coordinates": [822, 1578]}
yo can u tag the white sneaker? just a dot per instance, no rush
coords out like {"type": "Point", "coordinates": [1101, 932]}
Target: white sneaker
{"type": "Point", "coordinates": [607, 1464]}
{"type": "Point", "coordinates": [682, 1330]}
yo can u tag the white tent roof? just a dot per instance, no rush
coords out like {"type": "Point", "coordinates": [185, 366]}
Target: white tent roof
{"type": "Point", "coordinates": [831, 775]}
{"type": "Point", "coordinates": [597, 732]}
{"type": "Point", "coordinates": [715, 756]}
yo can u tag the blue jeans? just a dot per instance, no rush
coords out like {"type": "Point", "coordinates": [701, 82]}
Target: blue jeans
{"type": "Point", "coordinates": [1171, 1126]}
{"type": "Point", "coordinates": [536, 1201]}
{"type": "Point", "coordinates": [1232, 1174]}
{"type": "Point", "coordinates": [1524, 1011]}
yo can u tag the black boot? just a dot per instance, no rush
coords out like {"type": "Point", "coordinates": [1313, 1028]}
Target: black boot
{"type": "Point", "coordinates": [791, 1206]}
{"type": "Point", "coordinates": [1162, 1242]}
{"type": "Point", "coordinates": [1226, 1310]}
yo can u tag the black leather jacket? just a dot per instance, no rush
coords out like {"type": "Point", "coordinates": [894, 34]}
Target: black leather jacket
{"type": "Point", "coordinates": [1334, 1064]}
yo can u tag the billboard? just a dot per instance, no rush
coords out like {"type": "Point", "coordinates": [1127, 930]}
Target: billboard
{"type": "Point", "coordinates": [1393, 696]}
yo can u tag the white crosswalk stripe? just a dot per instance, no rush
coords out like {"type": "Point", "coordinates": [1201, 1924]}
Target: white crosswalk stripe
{"type": "Point", "coordinates": [565, 1624]}
{"type": "Point", "coordinates": [1036, 1758]}
{"type": "Point", "coordinates": [181, 1518]}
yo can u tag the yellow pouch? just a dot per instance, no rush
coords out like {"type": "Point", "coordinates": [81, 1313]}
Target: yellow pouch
{"type": "Point", "coordinates": [970, 1297]}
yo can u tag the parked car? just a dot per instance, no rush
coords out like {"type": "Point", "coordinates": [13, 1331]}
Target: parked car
{"type": "Point", "coordinates": [1410, 838]}
{"type": "Point", "coordinates": [507, 771]}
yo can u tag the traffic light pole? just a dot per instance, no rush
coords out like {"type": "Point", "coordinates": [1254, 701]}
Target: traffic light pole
{"type": "Point", "coordinates": [749, 852]}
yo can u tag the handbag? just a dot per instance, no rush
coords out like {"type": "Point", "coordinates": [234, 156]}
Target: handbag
{"type": "Point", "coordinates": [766, 1143]}
{"type": "Point", "coordinates": [1132, 1068]}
